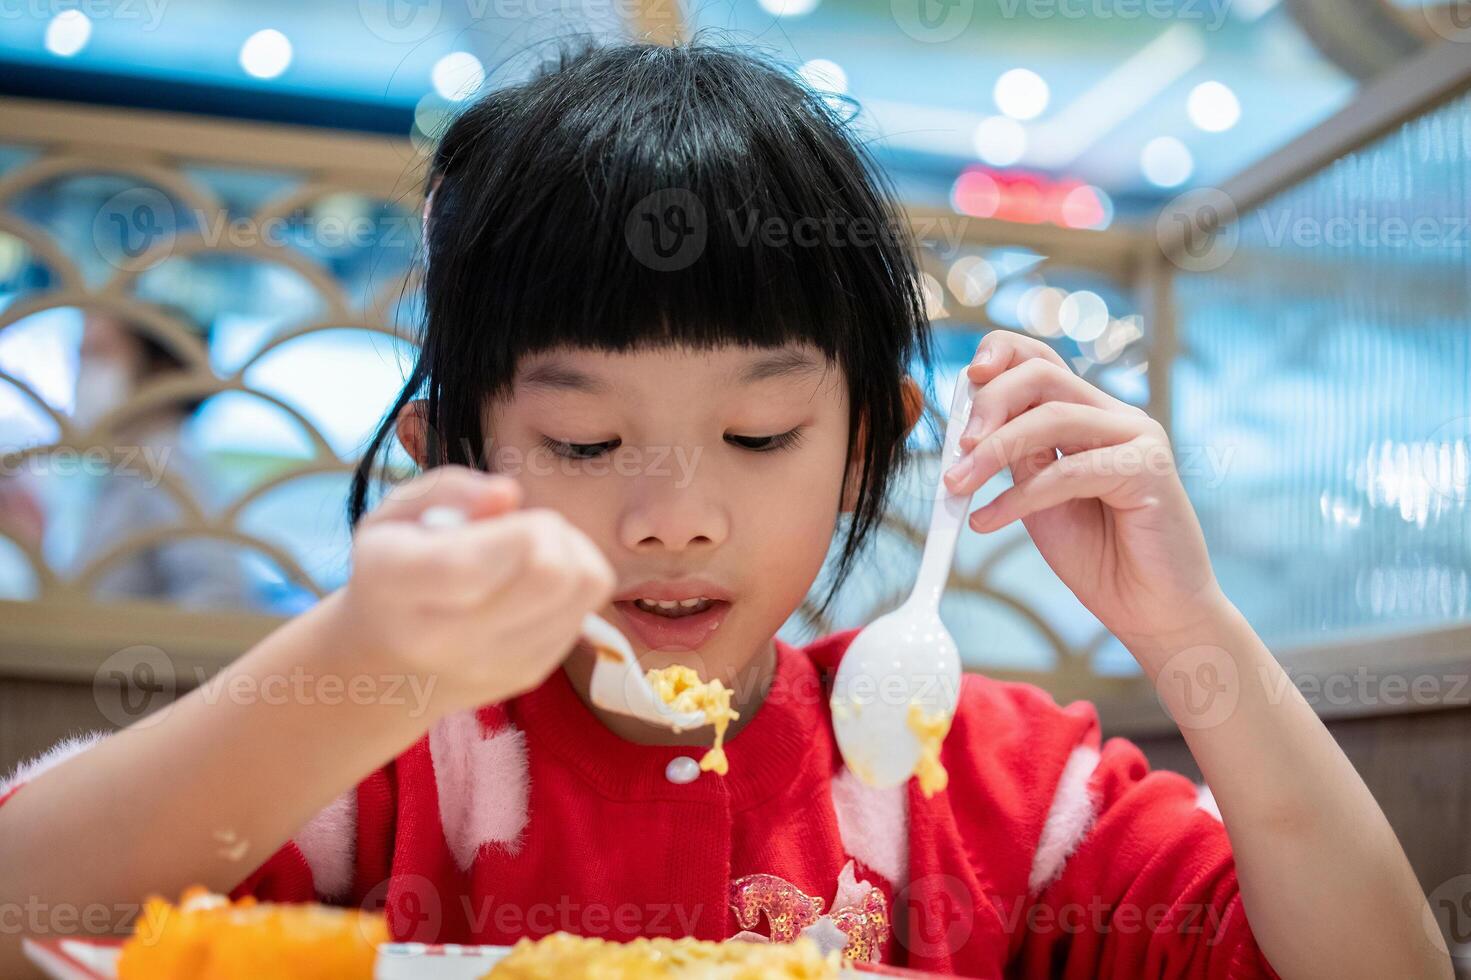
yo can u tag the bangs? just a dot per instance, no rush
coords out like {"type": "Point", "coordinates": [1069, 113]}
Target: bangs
{"type": "Point", "coordinates": [689, 266]}
{"type": "Point", "coordinates": [656, 197]}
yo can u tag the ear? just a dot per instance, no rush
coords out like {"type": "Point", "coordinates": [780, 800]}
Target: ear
{"type": "Point", "coordinates": [913, 404]}
{"type": "Point", "coordinates": [411, 428]}
{"type": "Point", "coordinates": [913, 411]}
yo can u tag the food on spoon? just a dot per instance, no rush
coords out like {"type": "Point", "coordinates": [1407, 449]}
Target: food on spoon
{"type": "Point", "coordinates": [208, 937]}
{"type": "Point", "coordinates": [931, 730]}
{"type": "Point", "coordinates": [680, 687]}
{"type": "Point", "coordinates": [564, 955]}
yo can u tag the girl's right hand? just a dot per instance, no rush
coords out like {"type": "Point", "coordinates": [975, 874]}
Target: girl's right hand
{"type": "Point", "coordinates": [483, 611]}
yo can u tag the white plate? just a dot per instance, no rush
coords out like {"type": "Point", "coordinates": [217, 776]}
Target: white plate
{"type": "Point", "coordinates": [416, 961]}
{"type": "Point", "coordinates": [96, 959]}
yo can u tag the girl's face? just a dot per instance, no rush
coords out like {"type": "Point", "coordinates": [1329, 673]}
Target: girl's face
{"type": "Point", "coordinates": [713, 476]}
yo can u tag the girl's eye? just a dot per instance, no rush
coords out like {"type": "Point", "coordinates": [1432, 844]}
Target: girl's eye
{"type": "Point", "coordinates": [767, 444]}
{"type": "Point", "coordinates": [580, 450]}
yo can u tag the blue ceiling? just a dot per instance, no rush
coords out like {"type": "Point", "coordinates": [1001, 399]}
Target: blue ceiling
{"type": "Point", "coordinates": [1120, 72]}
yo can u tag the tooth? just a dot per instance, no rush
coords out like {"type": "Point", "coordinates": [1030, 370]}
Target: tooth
{"type": "Point", "coordinates": [687, 603]}
{"type": "Point", "coordinates": [668, 604]}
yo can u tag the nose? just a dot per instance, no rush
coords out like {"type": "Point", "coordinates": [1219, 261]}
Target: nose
{"type": "Point", "coordinates": [661, 514]}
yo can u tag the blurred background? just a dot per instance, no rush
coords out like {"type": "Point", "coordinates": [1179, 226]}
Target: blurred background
{"type": "Point", "coordinates": [1248, 216]}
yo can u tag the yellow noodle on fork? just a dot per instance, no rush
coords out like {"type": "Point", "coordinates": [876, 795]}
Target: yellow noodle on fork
{"type": "Point", "coordinates": [681, 688]}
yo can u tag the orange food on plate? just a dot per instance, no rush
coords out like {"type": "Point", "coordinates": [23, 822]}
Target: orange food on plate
{"type": "Point", "coordinates": [208, 937]}
{"type": "Point", "coordinates": [563, 955]}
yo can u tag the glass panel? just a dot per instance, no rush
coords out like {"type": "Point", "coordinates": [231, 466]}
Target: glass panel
{"type": "Point", "coordinates": [105, 222]}
{"type": "Point", "coordinates": [340, 380]}
{"type": "Point", "coordinates": [1324, 387]}
{"type": "Point", "coordinates": [240, 192]}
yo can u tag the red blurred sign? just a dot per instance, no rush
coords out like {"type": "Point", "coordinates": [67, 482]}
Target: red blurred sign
{"type": "Point", "coordinates": [1031, 198]}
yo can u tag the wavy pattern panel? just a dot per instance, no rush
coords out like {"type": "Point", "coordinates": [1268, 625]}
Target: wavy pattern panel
{"type": "Point", "coordinates": [162, 243]}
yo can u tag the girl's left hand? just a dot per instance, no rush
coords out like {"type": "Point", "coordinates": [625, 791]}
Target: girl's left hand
{"type": "Point", "coordinates": [1109, 515]}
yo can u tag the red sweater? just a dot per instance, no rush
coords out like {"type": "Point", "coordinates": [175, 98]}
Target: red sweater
{"type": "Point", "coordinates": [1048, 855]}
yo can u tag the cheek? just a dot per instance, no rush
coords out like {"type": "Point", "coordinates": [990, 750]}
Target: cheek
{"type": "Point", "coordinates": [793, 541]}
{"type": "Point", "coordinates": [789, 522]}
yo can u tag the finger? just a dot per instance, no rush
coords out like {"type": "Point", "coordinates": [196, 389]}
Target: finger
{"type": "Point", "coordinates": [527, 605]}
{"type": "Point", "coordinates": [477, 493]}
{"type": "Point", "coordinates": [538, 609]}
{"type": "Point", "coordinates": [557, 581]}
{"type": "Point", "coordinates": [440, 568]}
{"type": "Point", "coordinates": [599, 580]}
{"type": "Point", "coordinates": [1032, 440]}
{"type": "Point", "coordinates": [1001, 350]}
{"type": "Point", "coordinates": [1096, 473]}
{"type": "Point", "coordinates": [1030, 383]}
{"type": "Point", "coordinates": [537, 634]}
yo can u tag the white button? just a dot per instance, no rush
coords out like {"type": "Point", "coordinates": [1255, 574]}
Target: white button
{"type": "Point", "coordinates": [682, 770]}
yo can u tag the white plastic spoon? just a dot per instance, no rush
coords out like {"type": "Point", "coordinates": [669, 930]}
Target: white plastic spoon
{"type": "Point", "coordinates": [906, 656]}
{"type": "Point", "coordinates": [618, 682]}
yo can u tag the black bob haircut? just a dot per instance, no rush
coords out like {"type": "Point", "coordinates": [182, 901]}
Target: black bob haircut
{"type": "Point", "coordinates": [622, 198]}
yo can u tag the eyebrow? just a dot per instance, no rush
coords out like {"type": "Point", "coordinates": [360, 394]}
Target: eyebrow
{"type": "Point", "coordinates": [782, 364]}
{"type": "Point", "coordinates": [559, 377]}
{"type": "Point", "coordinates": [554, 376]}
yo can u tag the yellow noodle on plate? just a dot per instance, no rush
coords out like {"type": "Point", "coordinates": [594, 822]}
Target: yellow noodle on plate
{"type": "Point", "coordinates": [562, 955]}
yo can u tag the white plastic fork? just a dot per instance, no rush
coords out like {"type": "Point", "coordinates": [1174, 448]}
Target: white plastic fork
{"type": "Point", "coordinates": [618, 682]}
{"type": "Point", "coordinates": [906, 656]}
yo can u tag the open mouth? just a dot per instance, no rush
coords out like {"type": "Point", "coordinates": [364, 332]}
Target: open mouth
{"type": "Point", "coordinates": [675, 609]}
{"type": "Point", "coordinates": [668, 625]}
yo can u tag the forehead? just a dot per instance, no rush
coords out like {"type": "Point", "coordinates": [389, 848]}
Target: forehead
{"type": "Point", "coordinates": [598, 372]}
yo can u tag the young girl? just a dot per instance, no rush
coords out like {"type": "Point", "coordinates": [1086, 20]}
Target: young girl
{"type": "Point", "coordinates": [670, 316]}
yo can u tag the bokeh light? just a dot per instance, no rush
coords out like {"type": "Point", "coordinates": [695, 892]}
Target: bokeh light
{"type": "Point", "coordinates": [265, 54]}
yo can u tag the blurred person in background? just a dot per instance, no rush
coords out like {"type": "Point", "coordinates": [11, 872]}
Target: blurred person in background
{"type": "Point", "coordinates": [117, 360]}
